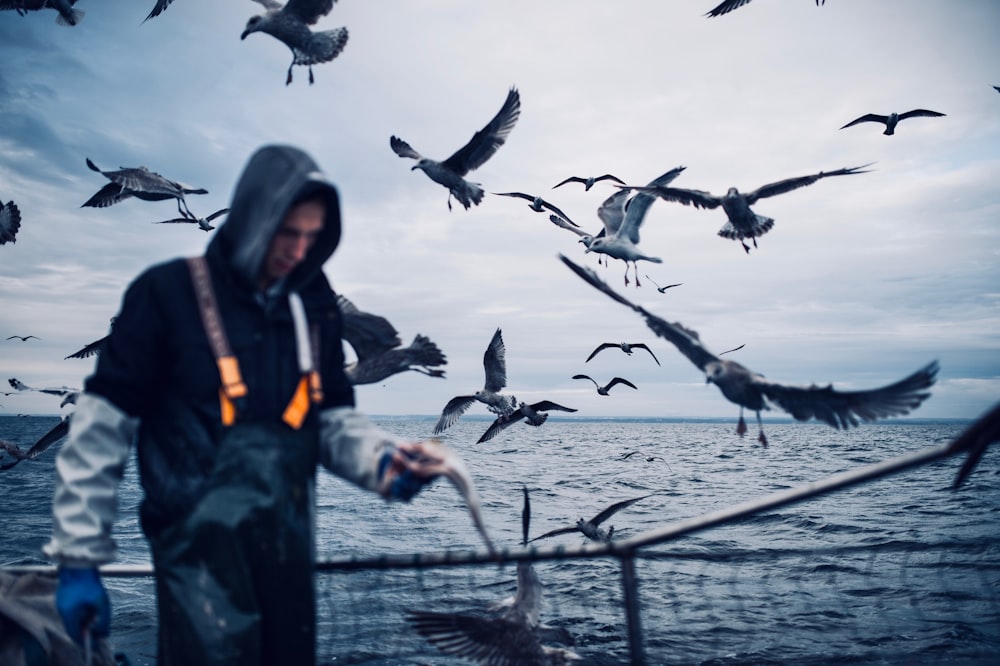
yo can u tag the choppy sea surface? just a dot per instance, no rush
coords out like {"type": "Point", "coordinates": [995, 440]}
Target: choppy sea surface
{"type": "Point", "coordinates": [901, 570]}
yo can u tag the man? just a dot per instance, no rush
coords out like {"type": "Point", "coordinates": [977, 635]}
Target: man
{"type": "Point", "coordinates": [228, 374]}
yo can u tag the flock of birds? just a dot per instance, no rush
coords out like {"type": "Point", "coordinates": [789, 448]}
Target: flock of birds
{"type": "Point", "coordinates": [511, 632]}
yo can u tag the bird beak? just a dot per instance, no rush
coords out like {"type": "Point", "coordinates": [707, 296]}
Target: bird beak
{"type": "Point", "coordinates": [244, 35]}
{"type": "Point", "coordinates": [413, 167]}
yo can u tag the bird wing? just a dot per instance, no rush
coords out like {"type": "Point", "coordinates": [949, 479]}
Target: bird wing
{"type": "Point", "coordinates": [484, 640]}
{"type": "Point", "coordinates": [567, 225]}
{"type": "Point", "coordinates": [684, 339]}
{"type": "Point", "coordinates": [520, 195]}
{"type": "Point", "coordinates": [158, 8]}
{"type": "Point", "coordinates": [10, 221]}
{"type": "Point", "coordinates": [561, 530]}
{"type": "Point", "coordinates": [108, 195]}
{"type": "Point", "coordinates": [502, 423]}
{"type": "Point", "coordinates": [488, 140]}
{"type": "Point", "coordinates": [495, 364]}
{"type": "Point", "coordinates": [920, 112]}
{"type": "Point", "coordinates": [548, 405]}
{"type": "Point", "coordinates": [843, 409]}
{"type": "Point", "coordinates": [637, 207]}
{"type": "Point", "coordinates": [452, 411]}
{"type": "Point", "coordinates": [309, 11]}
{"type": "Point", "coordinates": [643, 345]}
{"type": "Point", "coordinates": [620, 380]}
{"type": "Point", "coordinates": [726, 7]}
{"type": "Point", "coordinates": [587, 377]}
{"type": "Point", "coordinates": [789, 184]}
{"type": "Point", "coordinates": [571, 179]}
{"type": "Point", "coordinates": [554, 209]}
{"type": "Point", "coordinates": [696, 198]}
{"type": "Point", "coordinates": [612, 211]}
{"type": "Point", "coordinates": [92, 349]}
{"type": "Point", "coordinates": [369, 335]}
{"type": "Point", "coordinates": [403, 149]}
{"type": "Point", "coordinates": [614, 508]}
{"type": "Point", "coordinates": [608, 176]}
{"type": "Point", "coordinates": [600, 347]}
{"type": "Point", "coordinates": [57, 432]}
{"type": "Point", "coordinates": [868, 118]}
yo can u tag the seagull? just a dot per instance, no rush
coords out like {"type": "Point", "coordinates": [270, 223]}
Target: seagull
{"type": "Point", "coordinates": [604, 390]}
{"type": "Point", "coordinates": [94, 348]}
{"type": "Point", "coordinates": [202, 222]}
{"type": "Point", "coordinates": [55, 434]}
{"type": "Point", "coordinates": [589, 182]}
{"type": "Point", "coordinates": [647, 458]}
{"type": "Point", "coordinates": [376, 344]}
{"type": "Point", "coordinates": [626, 347]}
{"type": "Point", "coordinates": [61, 391]}
{"type": "Point", "coordinates": [590, 528]}
{"type": "Point", "coordinates": [729, 5]}
{"type": "Point", "coordinates": [10, 222]}
{"type": "Point", "coordinates": [67, 15]}
{"type": "Point", "coordinates": [892, 119]}
{"type": "Point", "coordinates": [663, 289]}
{"type": "Point", "coordinates": [495, 364]}
{"type": "Point", "coordinates": [538, 204]}
{"type": "Point", "coordinates": [289, 23]}
{"type": "Point", "coordinates": [531, 414]}
{"type": "Point", "coordinates": [141, 183]}
{"type": "Point", "coordinates": [622, 215]}
{"type": "Point", "coordinates": [481, 147]}
{"type": "Point", "coordinates": [158, 9]}
{"type": "Point", "coordinates": [743, 222]}
{"type": "Point", "coordinates": [750, 390]}
{"type": "Point", "coordinates": [23, 338]}
{"type": "Point", "coordinates": [510, 633]}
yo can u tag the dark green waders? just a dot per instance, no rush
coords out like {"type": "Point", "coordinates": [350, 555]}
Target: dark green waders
{"type": "Point", "coordinates": [234, 579]}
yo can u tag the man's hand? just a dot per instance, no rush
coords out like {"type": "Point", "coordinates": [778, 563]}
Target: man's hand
{"type": "Point", "coordinates": [405, 470]}
{"type": "Point", "coordinates": [82, 602]}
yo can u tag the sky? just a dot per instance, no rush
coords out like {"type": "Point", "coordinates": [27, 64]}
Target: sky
{"type": "Point", "coordinates": [863, 279]}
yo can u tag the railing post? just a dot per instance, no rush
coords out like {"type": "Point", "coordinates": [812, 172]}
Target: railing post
{"type": "Point", "coordinates": [630, 587]}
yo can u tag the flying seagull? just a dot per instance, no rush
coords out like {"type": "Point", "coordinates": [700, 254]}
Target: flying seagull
{"type": "Point", "coordinates": [530, 414]}
{"type": "Point", "coordinates": [509, 633]}
{"type": "Point", "coordinates": [664, 288]}
{"type": "Point", "coordinates": [10, 222]}
{"type": "Point", "coordinates": [67, 15]}
{"type": "Point", "coordinates": [589, 182]}
{"type": "Point", "coordinates": [141, 183]}
{"type": "Point", "coordinates": [495, 364]}
{"type": "Point", "coordinates": [94, 348]}
{"type": "Point", "coordinates": [481, 147]}
{"type": "Point", "coordinates": [743, 222]}
{"type": "Point", "coordinates": [204, 223]}
{"type": "Point", "coordinates": [538, 204]}
{"type": "Point", "coordinates": [55, 434]}
{"type": "Point", "coordinates": [289, 23]}
{"type": "Point", "coordinates": [377, 345]}
{"type": "Point", "coordinates": [62, 391]}
{"type": "Point", "coordinates": [729, 5]}
{"type": "Point", "coordinates": [591, 528]}
{"type": "Point", "coordinates": [626, 347]}
{"type": "Point", "coordinates": [890, 121]}
{"type": "Point", "coordinates": [23, 338]}
{"type": "Point", "coordinates": [622, 214]}
{"type": "Point", "coordinates": [750, 390]}
{"type": "Point", "coordinates": [605, 390]}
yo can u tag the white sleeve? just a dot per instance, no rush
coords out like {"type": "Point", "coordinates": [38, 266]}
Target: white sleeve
{"type": "Point", "coordinates": [351, 446]}
{"type": "Point", "coordinates": [89, 469]}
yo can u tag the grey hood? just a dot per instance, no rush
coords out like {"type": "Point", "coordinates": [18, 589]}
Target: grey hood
{"type": "Point", "coordinates": [274, 178]}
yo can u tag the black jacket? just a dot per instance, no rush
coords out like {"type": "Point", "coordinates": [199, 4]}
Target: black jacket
{"type": "Point", "coordinates": [158, 365]}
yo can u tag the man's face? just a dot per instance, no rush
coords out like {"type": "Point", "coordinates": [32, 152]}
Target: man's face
{"type": "Point", "coordinates": [299, 230]}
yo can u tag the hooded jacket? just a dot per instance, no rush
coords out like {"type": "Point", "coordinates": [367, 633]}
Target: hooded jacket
{"type": "Point", "coordinates": [157, 380]}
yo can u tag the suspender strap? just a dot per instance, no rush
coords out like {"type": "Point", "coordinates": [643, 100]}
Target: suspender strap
{"type": "Point", "coordinates": [232, 387]}
{"type": "Point", "coordinates": [309, 390]}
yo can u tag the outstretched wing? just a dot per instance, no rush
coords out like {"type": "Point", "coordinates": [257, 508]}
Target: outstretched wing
{"type": "Point", "coordinates": [684, 339]}
{"type": "Point", "coordinates": [158, 9]}
{"type": "Point", "coordinates": [726, 7]}
{"type": "Point", "coordinates": [548, 405]}
{"type": "Point", "coordinates": [790, 184]}
{"type": "Point", "coordinates": [868, 118]}
{"type": "Point", "coordinates": [484, 640]}
{"type": "Point", "coordinates": [696, 198]}
{"type": "Point", "coordinates": [843, 409]}
{"type": "Point", "coordinates": [495, 364]}
{"type": "Point", "coordinates": [613, 509]}
{"type": "Point", "coordinates": [369, 335]}
{"type": "Point", "coordinates": [637, 207]}
{"type": "Point", "coordinates": [920, 112]}
{"type": "Point", "coordinates": [309, 11]}
{"type": "Point", "coordinates": [643, 345]}
{"type": "Point", "coordinates": [452, 411]}
{"type": "Point", "coordinates": [620, 380]}
{"type": "Point", "coordinates": [403, 149]}
{"type": "Point", "coordinates": [502, 423]}
{"type": "Point", "coordinates": [600, 347]}
{"type": "Point", "coordinates": [92, 349]}
{"type": "Point", "coordinates": [488, 140]}
{"type": "Point", "coordinates": [10, 222]}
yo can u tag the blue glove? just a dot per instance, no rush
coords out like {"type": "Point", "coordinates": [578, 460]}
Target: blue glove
{"type": "Point", "coordinates": [405, 485]}
{"type": "Point", "coordinates": [82, 602]}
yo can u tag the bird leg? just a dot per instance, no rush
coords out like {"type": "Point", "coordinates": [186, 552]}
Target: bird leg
{"type": "Point", "coordinates": [311, 79]}
{"type": "Point", "coordinates": [635, 267]}
{"type": "Point", "coordinates": [761, 438]}
{"type": "Point", "coordinates": [741, 425]}
{"type": "Point", "coordinates": [745, 247]}
{"type": "Point", "coordinates": [288, 79]}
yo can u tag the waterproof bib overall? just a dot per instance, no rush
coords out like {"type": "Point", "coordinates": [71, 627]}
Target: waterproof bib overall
{"type": "Point", "coordinates": [234, 578]}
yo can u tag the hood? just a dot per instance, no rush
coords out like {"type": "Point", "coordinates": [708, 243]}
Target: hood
{"type": "Point", "coordinates": [274, 178]}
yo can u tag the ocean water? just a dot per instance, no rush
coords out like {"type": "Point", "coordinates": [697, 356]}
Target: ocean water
{"type": "Point", "coordinates": [901, 570]}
